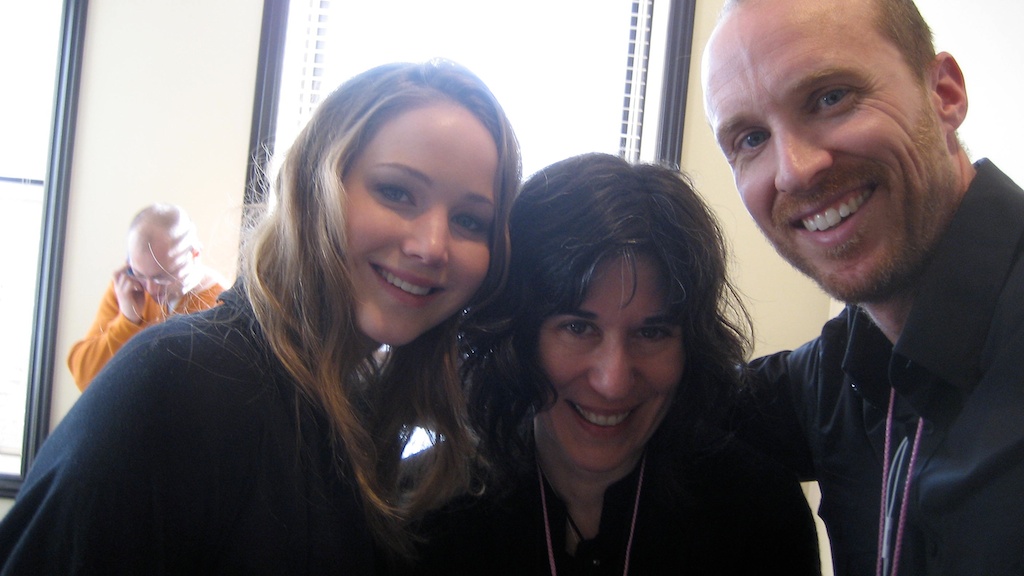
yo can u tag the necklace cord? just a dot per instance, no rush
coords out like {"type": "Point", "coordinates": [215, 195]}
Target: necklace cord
{"type": "Point", "coordinates": [632, 524]}
{"type": "Point", "coordinates": [547, 523]}
{"type": "Point", "coordinates": [887, 565]}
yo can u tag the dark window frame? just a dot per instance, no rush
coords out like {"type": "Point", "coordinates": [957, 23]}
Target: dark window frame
{"type": "Point", "coordinates": [53, 231]}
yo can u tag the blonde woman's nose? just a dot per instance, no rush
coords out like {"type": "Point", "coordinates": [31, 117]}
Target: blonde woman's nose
{"type": "Point", "coordinates": [429, 237]}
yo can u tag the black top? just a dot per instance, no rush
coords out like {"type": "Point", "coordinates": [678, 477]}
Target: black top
{"type": "Point", "coordinates": [959, 364]}
{"type": "Point", "coordinates": [721, 512]}
{"type": "Point", "coordinates": [186, 456]}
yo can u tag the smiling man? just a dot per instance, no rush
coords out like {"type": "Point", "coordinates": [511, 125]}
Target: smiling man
{"type": "Point", "coordinates": [839, 121]}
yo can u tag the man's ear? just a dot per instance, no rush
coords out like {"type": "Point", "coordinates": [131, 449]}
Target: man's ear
{"type": "Point", "coordinates": [948, 93]}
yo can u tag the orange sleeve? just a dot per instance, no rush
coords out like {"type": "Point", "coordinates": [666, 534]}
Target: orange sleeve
{"type": "Point", "coordinates": [109, 331]}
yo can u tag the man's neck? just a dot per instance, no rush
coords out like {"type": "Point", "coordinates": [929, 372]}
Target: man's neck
{"type": "Point", "coordinates": [891, 316]}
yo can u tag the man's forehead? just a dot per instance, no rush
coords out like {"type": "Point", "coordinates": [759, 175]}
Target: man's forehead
{"type": "Point", "coordinates": [737, 63]}
{"type": "Point", "coordinates": [766, 43]}
{"type": "Point", "coordinates": [166, 254]}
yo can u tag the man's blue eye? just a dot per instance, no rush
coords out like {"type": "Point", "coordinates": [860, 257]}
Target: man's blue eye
{"type": "Point", "coordinates": [832, 97]}
{"type": "Point", "coordinates": [755, 139]}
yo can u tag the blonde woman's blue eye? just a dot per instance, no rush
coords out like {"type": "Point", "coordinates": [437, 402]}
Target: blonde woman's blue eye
{"type": "Point", "coordinates": [392, 193]}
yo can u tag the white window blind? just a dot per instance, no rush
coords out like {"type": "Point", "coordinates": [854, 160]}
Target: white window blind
{"type": "Point", "coordinates": [571, 74]}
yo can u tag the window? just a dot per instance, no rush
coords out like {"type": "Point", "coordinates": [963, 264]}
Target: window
{"type": "Point", "coordinates": [34, 168]}
{"type": "Point", "coordinates": [574, 76]}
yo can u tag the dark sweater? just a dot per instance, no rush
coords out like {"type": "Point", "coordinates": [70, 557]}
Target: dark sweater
{"type": "Point", "coordinates": [186, 456]}
{"type": "Point", "coordinates": [717, 512]}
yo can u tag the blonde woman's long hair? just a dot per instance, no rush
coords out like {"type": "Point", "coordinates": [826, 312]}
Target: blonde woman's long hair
{"type": "Point", "coordinates": [297, 278]}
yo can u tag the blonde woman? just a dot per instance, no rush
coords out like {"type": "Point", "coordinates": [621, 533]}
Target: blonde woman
{"type": "Point", "coordinates": [265, 436]}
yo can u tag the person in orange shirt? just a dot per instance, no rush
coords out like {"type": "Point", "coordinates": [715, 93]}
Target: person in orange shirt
{"type": "Point", "coordinates": [163, 276]}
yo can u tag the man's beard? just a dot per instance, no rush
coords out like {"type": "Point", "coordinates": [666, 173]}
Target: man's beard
{"type": "Point", "coordinates": [926, 207]}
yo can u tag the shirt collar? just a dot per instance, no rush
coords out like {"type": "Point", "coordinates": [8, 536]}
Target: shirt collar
{"type": "Point", "coordinates": [958, 291]}
{"type": "Point", "coordinates": [935, 363]}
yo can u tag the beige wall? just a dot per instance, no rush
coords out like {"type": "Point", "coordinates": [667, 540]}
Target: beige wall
{"type": "Point", "coordinates": [788, 309]}
{"type": "Point", "coordinates": [164, 114]}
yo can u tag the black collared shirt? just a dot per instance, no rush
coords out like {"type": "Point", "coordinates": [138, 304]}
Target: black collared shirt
{"type": "Point", "coordinates": [959, 364]}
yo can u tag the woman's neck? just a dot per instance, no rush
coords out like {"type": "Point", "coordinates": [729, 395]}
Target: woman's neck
{"type": "Point", "coordinates": [582, 491]}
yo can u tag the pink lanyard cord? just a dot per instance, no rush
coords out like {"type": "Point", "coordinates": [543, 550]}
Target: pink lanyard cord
{"type": "Point", "coordinates": [885, 567]}
{"type": "Point", "coordinates": [632, 524]}
{"type": "Point", "coordinates": [547, 525]}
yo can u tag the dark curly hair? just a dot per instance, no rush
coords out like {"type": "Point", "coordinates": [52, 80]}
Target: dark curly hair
{"type": "Point", "coordinates": [567, 219]}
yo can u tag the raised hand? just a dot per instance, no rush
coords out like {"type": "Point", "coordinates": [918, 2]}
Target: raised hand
{"type": "Point", "coordinates": [131, 295]}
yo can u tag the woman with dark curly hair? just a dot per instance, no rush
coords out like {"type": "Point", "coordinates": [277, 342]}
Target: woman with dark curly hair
{"type": "Point", "coordinates": [595, 380]}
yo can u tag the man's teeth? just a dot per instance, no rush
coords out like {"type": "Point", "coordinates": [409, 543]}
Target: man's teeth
{"type": "Point", "coordinates": [599, 420]}
{"type": "Point", "coordinates": [405, 286]}
{"type": "Point", "coordinates": [833, 216]}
